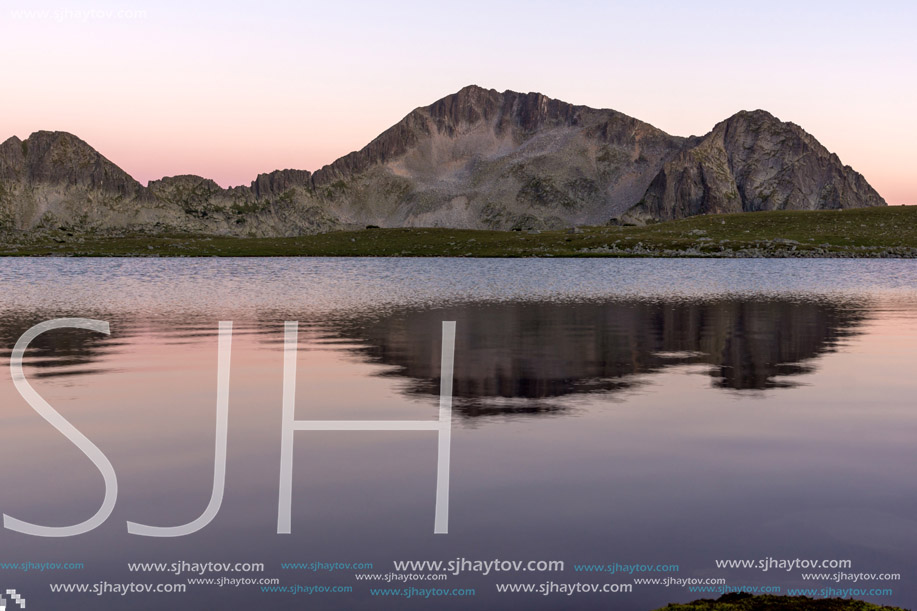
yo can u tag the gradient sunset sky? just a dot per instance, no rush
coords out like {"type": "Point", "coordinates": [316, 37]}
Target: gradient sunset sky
{"type": "Point", "coordinates": [164, 88]}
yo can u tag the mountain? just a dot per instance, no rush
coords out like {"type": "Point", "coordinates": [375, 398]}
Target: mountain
{"type": "Point", "coordinates": [749, 162]}
{"type": "Point", "coordinates": [474, 159]}
{"type": "Point", "coordinates": [61, 171]}
{"type": "Point", "coordinates": [480, 158]}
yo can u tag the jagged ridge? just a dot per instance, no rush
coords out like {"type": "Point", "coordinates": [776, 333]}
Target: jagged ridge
{"type": "Point", "coordinates": [477, 159]}
{"type": "Point", "coordinates": [750, 162]}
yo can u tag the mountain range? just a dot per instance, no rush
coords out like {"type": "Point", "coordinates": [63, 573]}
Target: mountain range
{"type": "Point", "coordinates": [474, 159]}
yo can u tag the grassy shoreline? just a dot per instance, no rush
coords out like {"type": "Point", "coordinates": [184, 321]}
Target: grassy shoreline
{"type": "Point", "coordinates": [869, 232]}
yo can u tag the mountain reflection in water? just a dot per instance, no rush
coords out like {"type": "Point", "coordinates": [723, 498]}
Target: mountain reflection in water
{"type": "Point", "coordinates": [520, 357]}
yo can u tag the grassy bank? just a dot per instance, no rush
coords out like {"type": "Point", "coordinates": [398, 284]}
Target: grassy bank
{"type": "Point", "coordinates": [873, 232]}
{"type": "Point", "coordinates": [747, 602]}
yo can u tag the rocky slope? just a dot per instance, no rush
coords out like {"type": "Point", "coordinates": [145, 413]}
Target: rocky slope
{"type": "Point", "coordinates": [483, 159]}
{"type": "Point", "coordinates": [749, 162]}
{"type": "Point", "coordinates": [475, 159]}
{"type": "Point", "coordinates": [57, 171]}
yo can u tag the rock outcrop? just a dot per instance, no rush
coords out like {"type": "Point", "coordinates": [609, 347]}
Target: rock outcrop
{"type": "Point", "coordinates": [475, 159]}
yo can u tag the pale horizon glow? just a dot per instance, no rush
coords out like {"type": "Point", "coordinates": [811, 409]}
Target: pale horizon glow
{"type": "Point", "coordinates": [228, 92]}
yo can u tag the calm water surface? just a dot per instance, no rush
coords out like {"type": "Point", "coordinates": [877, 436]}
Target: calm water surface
{"type": "Point", "coordinates": [631, 411]}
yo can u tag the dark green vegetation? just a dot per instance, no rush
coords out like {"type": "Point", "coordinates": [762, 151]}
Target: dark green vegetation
{"type": "Point", "coordinates": [866, 232]}
{"type": "Point", "coordinates": [747, 602]}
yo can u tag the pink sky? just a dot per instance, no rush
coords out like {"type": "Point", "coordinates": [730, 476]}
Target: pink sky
{"type": "Point", "coordinates": [227, 93]}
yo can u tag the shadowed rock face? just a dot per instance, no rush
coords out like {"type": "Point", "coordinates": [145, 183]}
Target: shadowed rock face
{"type": "Point", "coordinates": [750, 162]}
{"type": "Point", "coordinates": [62, 159]}
{"type": "Point", "coordinates": [474, 159]}
{"type": "Point", "coordinates": [280, 181]}
{"type": "Point", "coordinates": [58, 175]}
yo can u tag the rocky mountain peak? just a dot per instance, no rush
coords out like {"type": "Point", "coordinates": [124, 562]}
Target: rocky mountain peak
{"type": "Point", "coordinates": [55, 157]}
{"type": "Point", "coordinates": [477, 158]}
{"type": "Point", "coordinates": [470, 105]}
{"type": "Point", "coordinates": [754, 161]}
{"type": "Point", "coordinates": [526, 112]}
